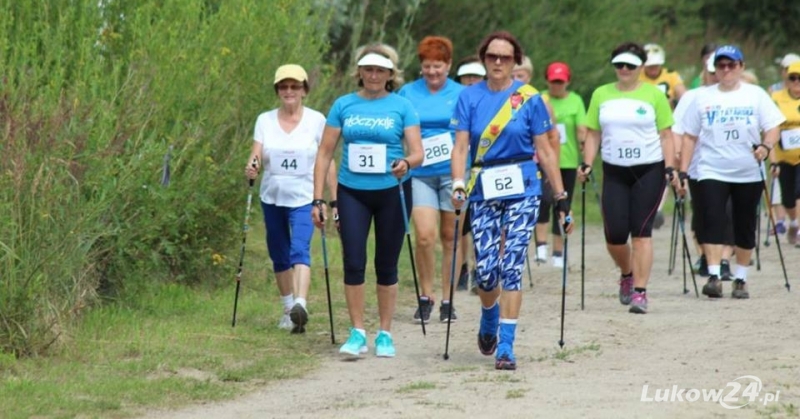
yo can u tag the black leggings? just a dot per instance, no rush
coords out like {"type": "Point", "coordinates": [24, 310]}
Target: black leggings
{"type": "Point", "coordinates": [630, 200]}
{"type": "Point", "coordinates": [744, 198]}
{"type": "Point", "coordinates": [546, 208]}
{"type": "Point", "coordinates": [698, 227]}
{"type": "Point", "coordinates": [357, 209]}
{"type": "Point", "coordinates": [790, 184]}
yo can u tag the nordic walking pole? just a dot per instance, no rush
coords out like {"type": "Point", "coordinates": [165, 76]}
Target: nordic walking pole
{"type": "Point", "coordinates": [410, 250]}
{"type": "Point", "coordinates": [673, 241]}
{"type": "Point", "coordinates": [327, 276]}
{"type": "Point", "coordinates": [446, 355]}
{"type": "Point", "coordinates": [563, 227]}
{"type": "Point", "coordinates": [686, 253]}
{"type": "Point", "coordinates": [772, 219]}
{"type": "Point", "coordinates": [583, 240]}
{"type": "Point", "coordinates": [771, 195]}
{"type": "Point", "coordinates": [254, 164]}
{"type": "Point", "coordinates": [680, 214]}
{"type": "Point", "coordinates": [758, 237]}
{"type": "Point", "coordinates": [528, 264]}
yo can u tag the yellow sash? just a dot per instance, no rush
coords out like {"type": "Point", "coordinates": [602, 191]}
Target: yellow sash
{"type": "Point", "coordinates": [496, 126]}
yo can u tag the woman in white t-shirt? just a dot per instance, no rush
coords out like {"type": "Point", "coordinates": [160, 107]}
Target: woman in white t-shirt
{"type": "Point", "coordinates": [725, 123]}
{"type": "Point", "coordinates": [285, 143]}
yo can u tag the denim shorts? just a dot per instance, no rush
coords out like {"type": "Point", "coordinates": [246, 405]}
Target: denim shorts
{"type": "Point", "coordinates": [433, 192]}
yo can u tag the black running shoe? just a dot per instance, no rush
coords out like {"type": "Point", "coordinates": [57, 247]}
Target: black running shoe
{"type": "Point", "coordinates": [487, 343]}
{"type": "Point", "coordinates": [426, 304]}
{"type": "Point", "coordinates": [505, 362]}
{"type": "Point", "coordinates": [713, 288]}
{"type": "Point", "coordinates": [299, 317]}
{"type": "Point", "coordinates": [725, 271]}
{"type": "Point", "coordinates": [447, 311]}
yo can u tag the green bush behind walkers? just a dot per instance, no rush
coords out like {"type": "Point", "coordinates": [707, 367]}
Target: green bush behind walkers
{"type": "Point", "coordinates": [92, 96]}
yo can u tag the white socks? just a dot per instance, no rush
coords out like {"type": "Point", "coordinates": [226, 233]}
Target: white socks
{"type": "Point", "coordinates": [301, 301]}
{"type": "Point", "coordinates": [741, 272]}
{"type": "Point", "coordinates": [713, 270]}
{"type": "Point", "coordinates": [288, 302]}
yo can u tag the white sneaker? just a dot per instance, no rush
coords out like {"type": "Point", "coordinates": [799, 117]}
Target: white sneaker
{"type": "Point", "coordinates": [286, 322]}
{"type": "Point", "coordinates": [558, 262]}
{"type": "Point", "coordinates": [541, 254]}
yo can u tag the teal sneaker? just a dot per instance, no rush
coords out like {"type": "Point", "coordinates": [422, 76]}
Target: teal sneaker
{"type": "Point", "coordinates": [356, 344]}
{"type": "Point", "coordinates": [384, 346]}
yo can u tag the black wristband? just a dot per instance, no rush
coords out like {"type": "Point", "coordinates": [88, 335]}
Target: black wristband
{"type": "Point", "coordinates": [562, 205]}
{"type": "Point", "coordinates": [408, 165]}
{"type": "Point", "coordinates": [585, 166]}
{"type": "Point", "coordinates": [318, 202]}
{"type": "Point", "coordinates": [332, 204]}
{"type": "Point", "coordinates": [670, 172]}
{"type": "Point", "coordinates": [682, 176]}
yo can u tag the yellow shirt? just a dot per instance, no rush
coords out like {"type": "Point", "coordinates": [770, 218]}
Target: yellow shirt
{"type": "Point", "coordinates": [790, 128]}
{"type": "Point", "coordinates": [666, 82]}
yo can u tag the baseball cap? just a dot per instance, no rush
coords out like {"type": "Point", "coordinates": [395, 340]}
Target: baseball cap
{"type": "Point", "coordinates": [710, 64]}
{"type": "Point", "coordinates": [789, 59]}
{"type": "Point", "coordinates": [730, 52]}
{"type": "Point", "coordinates": [628, 58]}
{"type": "Point", "coordinates": [557, 71]}
{"type": "Point", "coordinates": [471, 68]}
{"type": "Point", "coordinates": [655, 55]}
{"type": "Point", "coordinates": [376, 60]}
{"type": "Point", "coordinates": [793, 68]}
{"type": "Point", "coordinates": [290, 71]}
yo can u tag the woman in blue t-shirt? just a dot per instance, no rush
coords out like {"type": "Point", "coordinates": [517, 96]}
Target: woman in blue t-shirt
{"type": "Point", "coordinates": [501, 123]}
{"type": "Point", "coordinates": [434, 96]}
{"type": "Point", "coordinates": [373, 123]}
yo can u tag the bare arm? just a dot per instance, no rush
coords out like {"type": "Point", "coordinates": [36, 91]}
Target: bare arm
{"type": "Point", "coordinates": [667, 147]}
{"type": "Point", "coordinates": [589, 153]}
{"type": "Point", "coordinates": [330, 139]}
{"type": "Point", "coordinates": [548, 159]}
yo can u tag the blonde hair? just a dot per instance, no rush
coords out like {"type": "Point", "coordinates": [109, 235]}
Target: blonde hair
{"type": "Point", "coordinates": [384, 50]}
{"type": "Point", "coordinates": [748, 76]}
{"type": "Point", "coordinates": [526, 65]}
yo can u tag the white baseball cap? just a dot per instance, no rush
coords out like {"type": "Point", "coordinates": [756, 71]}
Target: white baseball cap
{"type": "Point", "coordinates": [471, 68]}
{"type": "Point", "coordinates": [789, 59]}
{"type": "Point", "coordinates": [655, 55]}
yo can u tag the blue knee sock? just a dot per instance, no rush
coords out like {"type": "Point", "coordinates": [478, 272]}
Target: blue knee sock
{"type": "Point", "coordinates": [508, 331]}
{"type": "Point", "coordinates": [489, 319]}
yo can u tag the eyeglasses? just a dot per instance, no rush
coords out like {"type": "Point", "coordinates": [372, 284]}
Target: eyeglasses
{"type": "Point", "coordinates": [794, 77]}
{"type": "Point", "coordinates": [730, 65]}
{"type": "Point", "coordinates": [627, 66]}
{"type": "Point", "coordinates": [504, 59]}
{"type": "Point", "coordinates": [295, 87]}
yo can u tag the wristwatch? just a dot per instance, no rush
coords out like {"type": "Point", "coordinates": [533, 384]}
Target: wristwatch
{"type": "Point", "coordinates": [562, 195]}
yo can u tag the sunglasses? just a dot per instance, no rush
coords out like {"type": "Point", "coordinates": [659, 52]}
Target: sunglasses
{"type": "Point", "coordinates": [725, 66]}
{"type": "Point", "coordinates": [794, 77]}
{"type": "Point", "coordinates": [627, 66]}
{"type": "Point", "coordinates": [295, 87]}
{"type": "Point", "coordinates": [504, 59]}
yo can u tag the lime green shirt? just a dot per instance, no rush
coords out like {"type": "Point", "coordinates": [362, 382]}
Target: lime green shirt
{"type": "Point", "coordinates": [570, 113]}
{"type": "Point", "coordinates": [629, 123]}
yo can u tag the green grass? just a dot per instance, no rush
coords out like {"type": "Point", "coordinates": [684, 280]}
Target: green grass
{"type": "Point", "coordinates": [416, 386]}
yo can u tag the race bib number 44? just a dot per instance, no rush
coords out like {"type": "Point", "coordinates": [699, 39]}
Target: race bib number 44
{"type": "Point", "coordinates": [366, 158]}
{"type": "Point", "coordinates": [790, 139]}
{"type": "Point", "coordinates": [437, 148]}
{"type": "Point", "coordinates": [502, 181]}
{"type": "Point", "coordinates": [288, 162]}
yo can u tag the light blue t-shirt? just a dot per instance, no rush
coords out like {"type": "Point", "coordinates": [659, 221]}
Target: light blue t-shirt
{"type": "Point", "coordinates": [477, 106]}
{"type": "Point", "coordinates": [371, 128]}
{"type": "Point", "coordinates": [435, 111]}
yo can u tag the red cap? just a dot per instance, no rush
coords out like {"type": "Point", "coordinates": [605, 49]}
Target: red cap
{"type": "Point", "coordinates": [557, 71]}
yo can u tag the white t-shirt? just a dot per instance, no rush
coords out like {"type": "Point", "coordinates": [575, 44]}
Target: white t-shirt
{"type": "Point", "coordinates": [288, 158]}
{"type": "Point", "coordinates": [677, 128]}
{"type": "Point", "coordinates": [727, 126]}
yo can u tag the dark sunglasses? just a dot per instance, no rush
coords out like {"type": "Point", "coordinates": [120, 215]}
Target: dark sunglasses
{"type": "Point", "coordinates": [724, 66]}
{"type": "Point", "coordinates": [505, 59]}
{"type": "Point", "coordinates": [794, 77]}
{"type": "Point", "coordinates": [628, 66]}
{"type": "Point", "coordinates": [295, 87]}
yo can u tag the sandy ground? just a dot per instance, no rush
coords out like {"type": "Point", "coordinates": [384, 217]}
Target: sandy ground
{"type": "Point", "coordinates": [608, 357]}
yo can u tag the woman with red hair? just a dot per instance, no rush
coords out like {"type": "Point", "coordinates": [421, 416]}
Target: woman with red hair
{"type": "Point", "coordinates": [434, 96]}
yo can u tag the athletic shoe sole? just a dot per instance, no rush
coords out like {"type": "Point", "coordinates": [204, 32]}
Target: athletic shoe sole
{"type": "Point", "coordinates": [299, 317]}
{"type": "Point", "coordinates": [637, 310]}
{"type": "Point", "coordinates": [487, 344]}
{"type": "Point", "coordinates": [505, 364]}
{"type": "Point", "coordinates": [354, 354]}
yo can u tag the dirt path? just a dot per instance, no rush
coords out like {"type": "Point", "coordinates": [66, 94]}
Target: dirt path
{"type": "Point", "coordinates": [608, 357]}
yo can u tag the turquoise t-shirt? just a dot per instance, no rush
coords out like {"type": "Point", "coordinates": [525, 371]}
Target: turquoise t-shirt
{"type": "Point", "coordinates": [477, 107]}
{"type": "Point", "coordinates": [372, 133]}
{"type": "Point", "coordinates": [435, 111]}
{"type": "Point", "coordinates": [570, 113]}
{"type": "Point", "coordinates": [629, 122]}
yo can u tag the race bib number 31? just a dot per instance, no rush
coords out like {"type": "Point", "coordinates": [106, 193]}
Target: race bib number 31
{"type": "Point", "coordinates": [367, 158]}
{"type": "Point", "coordinates": [437, 148]}
{"type": "Point", "coordinates": [288, 162]}
{"type": "Point", "coordinates": [502, 181]}
{"type": "Point", "coordinates": [790, 139]}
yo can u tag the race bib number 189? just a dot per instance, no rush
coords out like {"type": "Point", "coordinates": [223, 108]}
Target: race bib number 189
{"type": "Point", "coordinates": [502, 181]}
